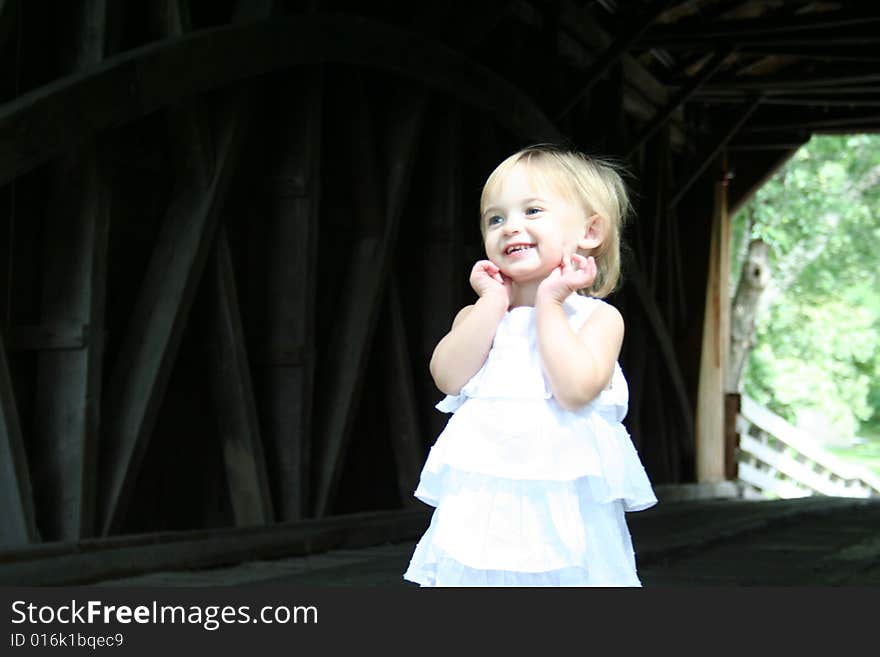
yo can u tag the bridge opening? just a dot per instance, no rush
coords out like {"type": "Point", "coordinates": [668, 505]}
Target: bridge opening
{"type": "Point", "coordinates": [805, 313]}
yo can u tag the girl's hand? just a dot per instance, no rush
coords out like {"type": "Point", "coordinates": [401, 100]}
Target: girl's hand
{"type": "Point", "coordinates": [565, 279]}
{"type": "Point", "coordinates": [486, 278]}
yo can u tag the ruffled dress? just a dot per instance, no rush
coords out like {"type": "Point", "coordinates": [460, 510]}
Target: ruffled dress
{"type": "Point", "coordinates": [526, 492]}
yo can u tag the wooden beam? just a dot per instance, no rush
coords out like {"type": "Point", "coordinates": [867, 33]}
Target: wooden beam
{"type": "Point", "coordinates": [92, 34]}
{"type": "Point", "coordinates": [814, 52]}
{"type": "Point", "coordinates": [775, 141]}
{"type": "Point", "coordinates": [442, 268]}
{"type": "Point", "coordinates": [633, 358]}
{"type": "Point", "coordinates": [90, 561]}
{"type": "Point", "coordinates": [752, 174]}
{"type": "Point", "coordinates": [709, 425]}
{"type": "Point", "coordinates": [406, 433]}
{"type": "Point", "coordinates": [763, 26]}
{"type": "Point", "coordinates": [732, 406]}
{"type": "Point", "coordinates": [17, 517]}
{"type": "Point", "coordinates": [806, 103]}
{"type": "Point", "coordinates": [680, 97]}
{"type": "Point", "coordinates": [160, 315]}
{"type": "Point", "coordinates": [760, 146]}
{"type": "Point", "coordinates": [291, 234]}
{"type": "Point", "coordinates": [679, 309]}
{"type": "Point", "coordinates": [443, 21]}
{"type": "Point", "coordinates": [667, 352]}
{"type": "Point", "coordinates": [40, 124]}
{"type": "Point", "coordinates": [848, 38]}
{"type": "Point", "coordinates": [817, 82]}
{"type": "Point", "coordinates": [65, 437]}
{"type": "Point", "coordinates": [8, 14]}
{"type": "Point", "coordinates": [855, 92]}
{"type": "Point", "coordinates": [68, 398]}
{"type": "Point", "coordinates": [676, 304]}
{"type": "Point", "coordinates": [612, 54]}
{"type": "Point", "coordinates": [602, 127]}
{"type": "Point", "coordinates": [823, 101]}
{"type": "Point", "coordinates": [368, 271]}
{"type": "Point", "coordinates": [708, 154]}
{"type": "Point", "coordinates": [578, 25]}
{"type": "Point", "coordinates": [852, 122]}
{"type": "Point", "coordinates": [229, 372]}
{"type": "Point", "coordinates": [190, 138]}
{"type": "Point", "coordinates": [61, 334]}
{"type": "Point", "coordinates": [234, 404]}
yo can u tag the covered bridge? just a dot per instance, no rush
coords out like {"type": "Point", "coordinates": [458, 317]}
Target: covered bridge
{"type": "Point", "coordinates": [233, 231]}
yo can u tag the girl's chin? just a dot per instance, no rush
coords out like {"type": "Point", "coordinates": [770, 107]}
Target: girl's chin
{"type": "Point", "coordinates": [522, 277]}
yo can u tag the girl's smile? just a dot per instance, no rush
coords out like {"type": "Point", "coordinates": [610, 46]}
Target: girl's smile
{"type": "Point", "coordinates": [518, 250]}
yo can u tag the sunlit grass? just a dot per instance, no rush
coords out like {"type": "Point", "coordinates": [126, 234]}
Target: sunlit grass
{"type": "Point", "coordinates": [865, 453]}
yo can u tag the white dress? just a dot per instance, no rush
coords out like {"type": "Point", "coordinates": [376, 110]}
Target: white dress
{"type": "Point", "coordinates": [526, 492]}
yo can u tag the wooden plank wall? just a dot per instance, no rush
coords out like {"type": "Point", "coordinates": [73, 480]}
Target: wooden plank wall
{"type": "Point", "coordinates": [233, 299]}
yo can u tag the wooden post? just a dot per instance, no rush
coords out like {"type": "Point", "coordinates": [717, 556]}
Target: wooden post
{"type": "Point", "coordinates": [381, 206]}
{"type": "Point", "coordinates": [228, 369]}
{"type": "Point", "coordinates": [17, 524]}
{"type": "Point", "coordinates": [161, 312]}
{"type": "Point", "coordinates": [233, 394]}
{"type": "Point", "coordinates": [445, 273]}
{"type": "Point", "coordinates": [732, 403]}
{"type": "Point", "coordinates": [68, 397]}
{"type": "Point", "coordinates": [291, 256]}
{"type": "Point", "coordinates": [403, 417]}
{"type": "Point", "coordinates": [716, 329]}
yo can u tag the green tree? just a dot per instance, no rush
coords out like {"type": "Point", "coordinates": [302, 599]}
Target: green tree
{"type": "Point", "coordinates": [817, 326]}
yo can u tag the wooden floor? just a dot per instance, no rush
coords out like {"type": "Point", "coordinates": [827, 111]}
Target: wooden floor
{"type": "Point", "coordinates": [809, 541]}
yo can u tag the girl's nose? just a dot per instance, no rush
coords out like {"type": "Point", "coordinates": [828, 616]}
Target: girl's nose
{"type": "Point", "coordinates": [512, 225]}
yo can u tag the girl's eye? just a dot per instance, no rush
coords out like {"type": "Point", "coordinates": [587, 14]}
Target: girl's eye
{"type": "Point", "coordinates": [533, 211]}
{"type": "Point", "coordinates": [494, 221]}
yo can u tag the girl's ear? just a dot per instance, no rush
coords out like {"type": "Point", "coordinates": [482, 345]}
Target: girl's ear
{"type": "Point", "coordinates": [594, 233]}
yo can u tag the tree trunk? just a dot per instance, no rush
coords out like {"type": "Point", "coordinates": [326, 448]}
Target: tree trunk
{"type": "Point", "coordinates": [752, 282]}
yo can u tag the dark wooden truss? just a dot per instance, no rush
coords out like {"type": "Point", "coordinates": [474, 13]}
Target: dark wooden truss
{"type": "Point", "coordinates": [234, 231]}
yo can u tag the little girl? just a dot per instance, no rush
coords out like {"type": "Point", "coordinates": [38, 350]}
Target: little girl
{"type": "Point", "coordinates": [534, 471]}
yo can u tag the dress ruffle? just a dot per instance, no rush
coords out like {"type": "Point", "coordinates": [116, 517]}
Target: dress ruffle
{"type": "Point", "coordinates": [536, 440]}
{"type": "Point", "coordinates": [494, 532]}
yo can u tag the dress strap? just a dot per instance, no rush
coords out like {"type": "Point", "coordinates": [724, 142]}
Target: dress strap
{"type": "Point", "coordinates": [580, 308]}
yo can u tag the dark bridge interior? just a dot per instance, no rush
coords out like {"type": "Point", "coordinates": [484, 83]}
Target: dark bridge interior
{"type": "Point", "coordinates": [232, 233]}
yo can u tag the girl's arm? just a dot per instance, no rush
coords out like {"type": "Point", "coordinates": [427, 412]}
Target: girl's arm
{"type": "Point", "coordinates": [462, 352]}
{"type": "Point", "coordinates": [578, 365]}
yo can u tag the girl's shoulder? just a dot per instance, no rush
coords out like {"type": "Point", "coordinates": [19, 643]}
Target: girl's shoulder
{"type": "Point", "coordinates": [464, 312]}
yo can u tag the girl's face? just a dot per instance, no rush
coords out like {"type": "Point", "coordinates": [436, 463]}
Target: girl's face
{"type": "Point", "coordinates": [529, 227]}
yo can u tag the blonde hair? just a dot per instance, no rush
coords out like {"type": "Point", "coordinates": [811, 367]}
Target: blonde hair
{"type": "Point", "coordinates": [593, 182]}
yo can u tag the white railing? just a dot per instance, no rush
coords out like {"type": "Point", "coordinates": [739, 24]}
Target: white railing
{"type": "Point", "coordinates": [774, 459]}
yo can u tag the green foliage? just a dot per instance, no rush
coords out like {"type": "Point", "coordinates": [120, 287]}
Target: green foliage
{"type": "Point", "coordinates": [817, 339]}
